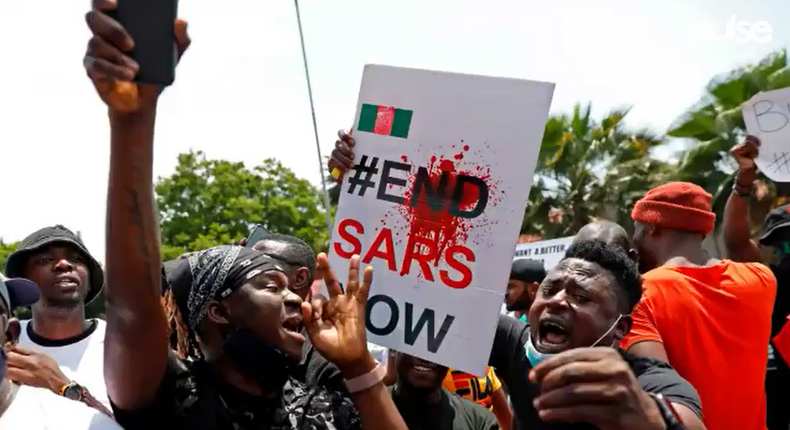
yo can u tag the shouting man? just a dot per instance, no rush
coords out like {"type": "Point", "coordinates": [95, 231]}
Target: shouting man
{"type": "Point", "coordinates": [234, 303]}
{"type": "Point", "coordinates": [554, 372]}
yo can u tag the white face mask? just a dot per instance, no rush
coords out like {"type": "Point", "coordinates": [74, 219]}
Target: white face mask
{"type": "Point", "coordinates": [536, 357]}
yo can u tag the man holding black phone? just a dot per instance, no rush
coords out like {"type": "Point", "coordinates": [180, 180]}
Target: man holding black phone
{"type": "Point", "coordinates": [235, 297]}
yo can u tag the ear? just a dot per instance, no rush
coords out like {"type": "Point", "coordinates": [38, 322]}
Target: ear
{"type": "Point", "coordinates": [12, 331]}
{"type": "Point", "coordinates": [623, 327]}
{"type": "Point", "coordinates": [532, 290]}
{"type": "Point", "coordinates": [217, 313]}
{"type": "Point", "coordinates": [302, 276]}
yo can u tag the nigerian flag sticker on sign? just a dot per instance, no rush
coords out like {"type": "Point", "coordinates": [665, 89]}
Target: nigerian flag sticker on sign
{"type": "Point", "coordinates": [385, 120]}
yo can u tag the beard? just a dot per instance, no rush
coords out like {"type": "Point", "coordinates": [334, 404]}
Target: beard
{"type": "Point", "coordinates": [517, 307]}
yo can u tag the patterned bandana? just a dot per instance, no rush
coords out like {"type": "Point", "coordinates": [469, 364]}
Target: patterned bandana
{"type": "Point", "coordinates": [217, 272]}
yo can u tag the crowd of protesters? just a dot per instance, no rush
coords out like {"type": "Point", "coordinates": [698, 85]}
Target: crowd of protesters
{"type": "Point", "coordinates": [642, 332]}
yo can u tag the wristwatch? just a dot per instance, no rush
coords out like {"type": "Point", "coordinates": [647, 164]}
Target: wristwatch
{"type": "Point", "coordinates": [668, 412]}
{"type": "Point", "coordinates": [73, 391]}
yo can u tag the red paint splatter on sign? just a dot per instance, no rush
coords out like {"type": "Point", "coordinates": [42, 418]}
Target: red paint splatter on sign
{"type": "Point", "coordinates": [433, 231]}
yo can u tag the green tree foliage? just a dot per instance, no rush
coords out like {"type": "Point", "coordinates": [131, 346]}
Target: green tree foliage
{"type": "Point", "coordinates": [715, 124]}
{"type": "Point", "coordinates": [5, 250]}
{"type": "Point", "coordinates": [212, 202]}
{"type": "Point", "coordinates": [589, 169]}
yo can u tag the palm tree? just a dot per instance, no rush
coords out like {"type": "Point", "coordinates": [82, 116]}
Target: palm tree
{"type": "Point", "coordinates": [588, 170]}
{"type": "Point", "coordinates": [715, 124]}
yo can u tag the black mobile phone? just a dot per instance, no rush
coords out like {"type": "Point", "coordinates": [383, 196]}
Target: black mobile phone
{"type": "Point", "coordinates": [151, 23]}
{"type": "Point", "coordinates": [256, 235]}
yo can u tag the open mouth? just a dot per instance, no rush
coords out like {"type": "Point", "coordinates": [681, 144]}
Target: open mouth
{"type": "Point", "coordinates": [293, 324]}
{"type": "Point", "coordinates": [67, 282]}
{"type": "Point", "coordinates": [552, 334]}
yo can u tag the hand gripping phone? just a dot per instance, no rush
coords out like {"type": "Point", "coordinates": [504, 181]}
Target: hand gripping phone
{"type": "Point", "coordinates": [151, 24]}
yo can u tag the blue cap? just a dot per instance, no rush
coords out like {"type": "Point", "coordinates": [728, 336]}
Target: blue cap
{"type": "Point", "coordinates": [18, 292]}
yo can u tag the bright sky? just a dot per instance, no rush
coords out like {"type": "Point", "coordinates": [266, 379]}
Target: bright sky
{"type": "Point", "coordinates": [241, 95]}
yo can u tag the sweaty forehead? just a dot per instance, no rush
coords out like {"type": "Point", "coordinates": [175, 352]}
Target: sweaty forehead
{"type": "Point", "coordinates": [581, 272]}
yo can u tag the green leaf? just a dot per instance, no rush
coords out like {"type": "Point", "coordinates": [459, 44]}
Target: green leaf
{"type": "Point", "coordinates": [779, 79]}
{"type": "Point", "coordinates": [209, 202]}
{"type": "Point", "coordinates": [696, 123]}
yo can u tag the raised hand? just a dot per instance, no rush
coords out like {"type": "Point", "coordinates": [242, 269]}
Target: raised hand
{"type": "Point", "coordinates": [342, 157]}
{"type": "Point", "coordinates": [595, 386]}
{"type": "Point", "coordinates": [745, 153]}
{"type": "Point", "coordinates": [337, 326]}
{"type": "Point", "coordinates": [111, 69]}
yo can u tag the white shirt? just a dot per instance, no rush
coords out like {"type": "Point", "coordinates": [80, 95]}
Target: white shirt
{"type": "Point", "coordinates": [82, 362]}
{"type": "Point", "coordinates": [40, 409]}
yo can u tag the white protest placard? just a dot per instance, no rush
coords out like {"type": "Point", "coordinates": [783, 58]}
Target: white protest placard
{"type": "Point", "coordinates": [548, 252]}
{"type": "Point", "coordinates": [444, 164]}
{"type": "Point", "coordinates": [767, 116]}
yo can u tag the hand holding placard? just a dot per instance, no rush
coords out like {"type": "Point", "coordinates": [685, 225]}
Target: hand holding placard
{"type": "Point", "coordinates": [767, 116]}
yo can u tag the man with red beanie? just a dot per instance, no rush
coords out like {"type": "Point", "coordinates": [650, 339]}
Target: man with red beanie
{"type": "Point", "coordinates": [710, 319]}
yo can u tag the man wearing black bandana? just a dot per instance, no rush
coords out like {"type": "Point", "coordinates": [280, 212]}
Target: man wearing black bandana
{"type": "Point", "coordinates": [227, 298]}
{"type": "Point", "coordinates": [236, 304]}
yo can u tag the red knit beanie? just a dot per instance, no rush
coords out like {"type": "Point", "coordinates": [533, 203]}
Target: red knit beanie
{"type": "Point", "coordinates": [676, 206]}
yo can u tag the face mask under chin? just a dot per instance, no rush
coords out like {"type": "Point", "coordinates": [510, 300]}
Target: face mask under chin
{"type": "Point", "coordinates": [536, 357]}
{"type": "Point", "coordinates": [258, 360]}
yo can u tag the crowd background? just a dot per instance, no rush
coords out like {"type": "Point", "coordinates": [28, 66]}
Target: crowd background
{"type": "Point", "coordinates": [588, 168]}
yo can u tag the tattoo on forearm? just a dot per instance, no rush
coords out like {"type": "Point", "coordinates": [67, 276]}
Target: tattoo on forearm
{"type": "Point", "coordinates": [142, 233]}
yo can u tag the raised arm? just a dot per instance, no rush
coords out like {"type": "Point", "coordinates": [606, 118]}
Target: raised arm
{"type": "Point", "coordinates": [737, 231]}
{"type": "Point", "coordinates": [136, 342]}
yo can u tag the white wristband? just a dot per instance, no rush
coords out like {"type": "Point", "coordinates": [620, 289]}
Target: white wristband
{"type": "Point", "coordinates": [363, 382]}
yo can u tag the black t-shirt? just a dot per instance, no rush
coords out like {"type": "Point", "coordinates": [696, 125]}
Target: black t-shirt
{"type": "Point", "coordinates": [452, 413]}
{"type": "Point", "coordinates": [777, 379]}
{"type": "Point", "coordinates": [191, 397]}
{"type": "Point", "coordinates": [315, 370]}
{"type": "Point", "coordinates": [509, 358]}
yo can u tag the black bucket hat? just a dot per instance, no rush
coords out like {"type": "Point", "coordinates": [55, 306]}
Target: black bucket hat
{"type": "Point", "coordinates": [777, 219]}
{"type": "Point", "coordinates": [49, 236]}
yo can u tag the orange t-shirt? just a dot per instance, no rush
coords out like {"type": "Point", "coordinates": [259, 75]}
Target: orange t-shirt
{"type": "Point", "coordinates": [715, 323]}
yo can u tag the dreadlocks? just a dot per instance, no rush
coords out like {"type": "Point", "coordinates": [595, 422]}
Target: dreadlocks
{"type": "Point", "coordinates": [182, 339]}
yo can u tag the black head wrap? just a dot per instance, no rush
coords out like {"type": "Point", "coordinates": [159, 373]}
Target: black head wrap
{"type": "Point", "coordinates": [214, 274]}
